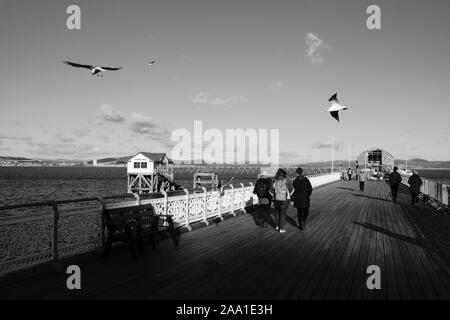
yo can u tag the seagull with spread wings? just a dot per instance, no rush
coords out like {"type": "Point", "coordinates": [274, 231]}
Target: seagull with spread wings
{"type": "Point", "coordinates": [151, 62]}
{"type": "Point", "coordinates": [335, 107]}
{"type": "Point", "coordinates": [94, 70]}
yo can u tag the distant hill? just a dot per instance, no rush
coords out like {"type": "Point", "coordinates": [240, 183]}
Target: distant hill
{"type": "Point", "coordinates": [327, 164]}
{"type": "Point", "coordinates": [116, 160]}
{"type": "Point", "coordinates": [417, 163]}
{"type": "Point", "coordinates": [422, 163]}
{"type": "Point", "coordinates": [15, 158]}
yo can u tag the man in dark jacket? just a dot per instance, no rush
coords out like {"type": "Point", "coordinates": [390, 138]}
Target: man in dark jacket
{"type": "Point", "coordinates": [302, 192]}
{"type": "Point", "coordinates": [395, 179]}
{"type": "Point", "coordinates": [414, 182]}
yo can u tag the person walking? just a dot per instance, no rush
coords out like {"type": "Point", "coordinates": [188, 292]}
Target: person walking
{"type": "Point", "coordinates": [356, 170]}
{"type": "Point", "coordinates": [300, 196]}
{"type": "Point", "coordinates": [349, 173]}
{"type": "Point", "coordinates": [262, 190]}
{"type": "Point", "coordinates": [395, 180]}
{"type": "Point", "coordinates": [281, 191]}
{"type": "Point", "coordinates": [362, 177]}
{"type": "Point", "coordinates": [415, 183]}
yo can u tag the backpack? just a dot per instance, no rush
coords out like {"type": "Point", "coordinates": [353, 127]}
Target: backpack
{"type": "Point", "coordinates": [262, 189]}
{"type": "Point", "coordinates": [281, 190]}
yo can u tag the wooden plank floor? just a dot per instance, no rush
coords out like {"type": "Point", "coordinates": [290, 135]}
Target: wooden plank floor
{"type": "Point", "coordinates": [347, 231]}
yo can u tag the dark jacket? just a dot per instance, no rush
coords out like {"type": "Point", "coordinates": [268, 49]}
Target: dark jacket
{"type": "Point", "coordinates": [302, 192]}
{"type": "Point", "coordinates": [395, 178]}
{"type": "Point", "coordinates": [268, 183]}
{"type": "Point", "coordinates": [414, 183]}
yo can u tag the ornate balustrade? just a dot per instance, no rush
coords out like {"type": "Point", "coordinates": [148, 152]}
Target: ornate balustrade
{"type": "Point", "coordinates": [34, 234]}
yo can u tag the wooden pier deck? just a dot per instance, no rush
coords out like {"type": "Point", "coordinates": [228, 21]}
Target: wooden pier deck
{"type": "Point", "coordinates": [347, 231]}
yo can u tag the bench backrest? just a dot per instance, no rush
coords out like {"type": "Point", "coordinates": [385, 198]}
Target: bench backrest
{"type": "Point", "coordinates": [131, 217]}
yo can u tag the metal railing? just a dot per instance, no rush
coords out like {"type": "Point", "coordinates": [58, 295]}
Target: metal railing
{"type": "Point", "coordinates": [433, 189]}
{"type": "Point", "coordinates": [38, 233]}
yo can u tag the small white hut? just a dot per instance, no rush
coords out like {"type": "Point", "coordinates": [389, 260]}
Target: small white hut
{"type": "Point", "coordinates": [145, 169]}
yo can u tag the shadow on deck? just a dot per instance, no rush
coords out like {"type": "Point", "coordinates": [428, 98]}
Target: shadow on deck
{"type": "Point", "coordinates": [346, 232]}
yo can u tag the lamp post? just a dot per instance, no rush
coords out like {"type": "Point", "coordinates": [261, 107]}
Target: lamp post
{"type": "Point", "coordinates": [332, 154]}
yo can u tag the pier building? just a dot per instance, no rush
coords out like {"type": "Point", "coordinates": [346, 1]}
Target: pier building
{"type": "Point", "coordinates": [376, 158]}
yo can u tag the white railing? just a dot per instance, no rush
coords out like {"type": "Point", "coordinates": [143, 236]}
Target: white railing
{"type": "Point", "coordinates": [35, 234]}
{"type": "Point", "coordinates": [433, 189]}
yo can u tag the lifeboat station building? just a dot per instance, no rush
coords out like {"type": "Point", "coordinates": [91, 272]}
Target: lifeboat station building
{"type": "Point", "coordinates": [376, 159]}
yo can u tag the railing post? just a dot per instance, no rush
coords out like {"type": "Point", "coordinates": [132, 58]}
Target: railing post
{"type": "Point", "coordinates": [55, 263]}
{"type": "Point", "coordinates": [187, 210]}
{"type": "Point", "coordinates": [138, 198]}
{"type": "Point", "coordinates": [243, 197]}
{"type": "Point", "coordinates": [220, 203]}
{"type": "Point", "coordinates": [232, 200]}
{"type": "Point", "coordinates": [205, 208]}
{"type": "Point", "coordinates": [166, 202]}
{"type": "Point", "coordinates": [445, 194]}
{"type": "Point", "coordinates": [102, 220]}
{"type": "Point", "coordinates": [251, 194]}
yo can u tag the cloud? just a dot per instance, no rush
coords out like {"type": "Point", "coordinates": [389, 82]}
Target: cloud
{"type": "Point", "coordinates": [12, 138]}
{"type": "Point", "coordinates": [104, 138]}
{"type": "Point", "coordinates": [144, 125]}
{"type": "Point", "coordinates": [84, 132]}
{"type": "Point", "coordinates": [109, 114]}
{"type": "Point", "coordinates": [63, 149]}
{"type": "Point", "coordinates": [289, 154]}
{"type": "Point", "coordinates": [63, 138]}
{"type": "Point", "coordinates": [202, 98]}
{"type": "Point", "coordinates": [338, 146]}
{"type": "Point", "coordinates": [277, 85]}
{"type": "Point", "coordinates": [315, 44]}
{"type": "Point", "coordinates": [228, 101]}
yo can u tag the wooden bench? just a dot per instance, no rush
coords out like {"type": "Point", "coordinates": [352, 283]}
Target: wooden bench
{"type": "Point", "coordinates": [132, 225]}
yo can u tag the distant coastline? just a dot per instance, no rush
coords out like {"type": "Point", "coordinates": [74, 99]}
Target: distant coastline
{"type": "Point", "coordinates": [6, 161]}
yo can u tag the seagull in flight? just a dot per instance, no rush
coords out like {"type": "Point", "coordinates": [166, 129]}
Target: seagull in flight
{"type": "Point", "coordinates": [335, 107]}
{"type": "Point", "coordinates": [94, 70]}
{"type": "Point", "coordinates": [151, 62]}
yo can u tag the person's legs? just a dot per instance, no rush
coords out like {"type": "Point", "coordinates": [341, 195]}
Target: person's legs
{"type": "Point", "coordinates": [283, 212]}
{"type": "Point", "coordinates": [305, 215]}
{"type": "Point", "coordinates": [265, 213]}
{"type": "Point", "coordinates": [260, 212]}
{"type": "Point", "coordinates": [350, 177]}
{"type": "Point", "coordinates": [276, 204]}
{"type": "Point", "coordinates": [300, 217]}
{"type": "Point", "coordinates": [394, 190]}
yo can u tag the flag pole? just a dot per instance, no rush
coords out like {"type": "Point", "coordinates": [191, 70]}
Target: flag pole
{"type": "Point", "coordinates": [349, 148]}
{"type": "Point", "coordinates": [332, 154]}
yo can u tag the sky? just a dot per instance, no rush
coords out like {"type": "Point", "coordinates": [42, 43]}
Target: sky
{"type": "Point", "coordinates": [230, 64]}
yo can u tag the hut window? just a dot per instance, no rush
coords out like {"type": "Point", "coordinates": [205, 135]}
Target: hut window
{"type": "Point", "coordinates": [137, 165]}
{"type": "Point", "coordinates": [144, 165]}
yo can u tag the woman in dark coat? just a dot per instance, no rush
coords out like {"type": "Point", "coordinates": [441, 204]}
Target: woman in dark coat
{"type": "Point", "coordinates": [302, 192]}
{"type": "Point", "coordinates": [414, 187]}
